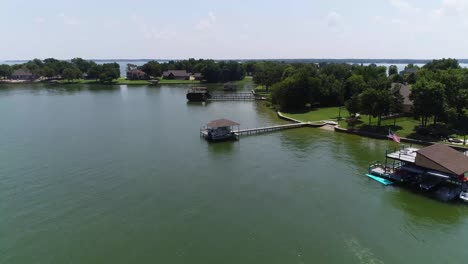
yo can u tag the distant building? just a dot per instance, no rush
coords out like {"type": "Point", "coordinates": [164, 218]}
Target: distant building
{"type": "Point", "coordinates": [198, 76]}
{"type": "Point", "coordinates": [23, 74]}
{"type": "Point", "coordinates": [409, 71]}
{"type": "Point", "coordinates": [176, 75]}
{"type": "Point", "coordinates": [135, 74]}
{"type": "Point", "coordinates": [405, 91]}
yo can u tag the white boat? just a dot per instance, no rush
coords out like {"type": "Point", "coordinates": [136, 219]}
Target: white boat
{"type": "Point", "coordinates": [464, 196]}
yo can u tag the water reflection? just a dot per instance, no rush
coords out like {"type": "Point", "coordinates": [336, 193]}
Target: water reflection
{"type": "Point", "coordinates": [221, 149]}
{"type": "Point", "coordinates": [197, 104]}
{"type": "Point", "coordinates": [422, 210]}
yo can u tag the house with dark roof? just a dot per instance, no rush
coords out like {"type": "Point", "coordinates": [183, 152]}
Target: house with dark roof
{"type": "Point", "coordinates": [23, 74]}
{"type": "Point", "coordinates": [405, 91]}
{"type": "Point", "coordinates": [198, 76]}
{"type": "Point", "coordinates": [136, 74]}
{"type": "Point", "coordinates": [442, 158]}
{"type": "Point", "coordinates": [176, 75]}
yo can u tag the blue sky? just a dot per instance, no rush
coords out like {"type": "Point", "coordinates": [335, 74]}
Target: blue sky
{"type": "Point", "coordinates": [234, 29]}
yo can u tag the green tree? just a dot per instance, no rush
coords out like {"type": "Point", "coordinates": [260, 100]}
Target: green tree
{"type": "Point", "coordinates": [268, 73]}
{"type": "Point", "coordinates": [353, 105]}
{"type": "Point", "coordinates": [392, 70]}
{"type": "Point", "coordinates": [293, 92]}
{"type": "Point", "coordinates": [109, 72]}
{"type": "Point", "coordinates": [5, 71]}
{"type": "Point", "coordinates": [152, 68]}
{"type": "Point", "coordinates": [81, 64]}
{"type": "Point", "coordinates": [396, 103]}
{"type": "Point", "coordinates": [94, 71]}
{"type": "Point", "coordinates": [428, 100]}
{"type": "Point", "coordinates": [443, 64]}
{"type": "Point", "coordinates": [375, 103]}
{"type": "Point", "coordinates": [355, 84]}
{"type": "Point", "coordinates": [71, 73]}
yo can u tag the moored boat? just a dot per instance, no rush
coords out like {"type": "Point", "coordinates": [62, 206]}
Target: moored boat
{"type": "Point", "coordinates": [198, 94]}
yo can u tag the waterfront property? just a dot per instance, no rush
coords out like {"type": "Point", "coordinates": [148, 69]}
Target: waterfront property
{"type": "Point", "coordinates": [221, 129]}
{"type": "Point", "coordinates": [197, 76]}
{"type": "Point", "coordinates": [438, 170]}
{"type": "Point", "coordinates": [176, 75]}
{"type": "Point", "coordinates": [136, 74]}
{"type": "Point", "coordinates": [405, 91]}
{"type": "Point", "coordinates": [22, 74]}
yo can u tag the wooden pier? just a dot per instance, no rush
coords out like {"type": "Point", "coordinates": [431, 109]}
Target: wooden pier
{"type": "Point", "coordinates": [258, 130]}
{"type": "Point", "coordinates": [239, 96]}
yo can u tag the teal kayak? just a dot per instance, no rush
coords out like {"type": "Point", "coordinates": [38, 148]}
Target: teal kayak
{"type": "Point", "coordinates": [381, 180]}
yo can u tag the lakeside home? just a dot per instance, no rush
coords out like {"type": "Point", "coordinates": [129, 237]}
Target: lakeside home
{"type": "Point", "coordinates": [176, 75]}
{"type": "Point", "coordinates": [405, 91]}
{"type": "Point", "coordinates": [23, 74]}
{"type": "Point", "coordinates": [136, 74]}
{"type": "Point", "coordinates": [438, 170]}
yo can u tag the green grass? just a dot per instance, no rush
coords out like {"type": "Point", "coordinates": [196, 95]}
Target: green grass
{"type": "Point", "coordinates": [404, 126]}
{"type": "Point", "coordinates": [248, 80]}
{"type": "Point", "coordinates": [328, 113]}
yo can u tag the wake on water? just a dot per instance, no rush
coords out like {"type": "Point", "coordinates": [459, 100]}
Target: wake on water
{"type": "Point", "coordinates": [363, 254]}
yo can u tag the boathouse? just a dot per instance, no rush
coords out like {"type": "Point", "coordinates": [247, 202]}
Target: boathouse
{"type": "Point", "coordinates": [221, 129]}
{"type": "Point", "coordinates": [443, 158]}
{"type": "Point", "coordinates": [437, 170]}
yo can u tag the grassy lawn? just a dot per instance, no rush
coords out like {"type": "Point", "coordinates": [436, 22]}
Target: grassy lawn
{"type": "Point", "coordinates": [248, 80]}
{"type": "Point", "coordinates": [327, 113]}
{"type": "Point", "coordinates": [404, 126]}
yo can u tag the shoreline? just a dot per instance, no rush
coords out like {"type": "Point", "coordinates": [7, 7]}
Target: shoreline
{"type": "Point", "coordinates": [366, 134]}
{"type": "Point", "coordinates": [94, 82]}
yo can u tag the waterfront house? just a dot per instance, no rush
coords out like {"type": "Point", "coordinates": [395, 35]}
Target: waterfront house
{"type": "Point", "coordinates": [176, 75]}
{"type": "Point", "coordinates": [198, 76]}
{"type": "Point", "coordinates": [22, 74]}
{"type": "Point", "coordinates": [405, 91]}
{"type": "Point", "coordinates": [136, 74]}
{"type": "Point", "coordinates": [409, 71]}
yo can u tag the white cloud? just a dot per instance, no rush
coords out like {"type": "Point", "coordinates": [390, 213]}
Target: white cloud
{"type": "Point", "coordinates": [333, 19]}
{"type": "Point", "coordinates": [206, 23]}
{"type": "Point", "coordinates": [452, 8]}
{"type": "Point", "coordinates": [68, 20]}
{"type": "Point", "coordinates": [405, 7]}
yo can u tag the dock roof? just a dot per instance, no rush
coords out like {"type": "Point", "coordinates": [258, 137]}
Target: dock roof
{"type": "Point", "coordinates": [222, 123]}
{"type": "Point", "coordinates": [446, 157]}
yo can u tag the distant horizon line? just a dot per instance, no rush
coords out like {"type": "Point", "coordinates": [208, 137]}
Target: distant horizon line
{"type": "Point", "coordinates": [253, 59]}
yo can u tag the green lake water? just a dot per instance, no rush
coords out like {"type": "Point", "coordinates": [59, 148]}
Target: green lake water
{"type": "Point", "coordinates": [91, 174]}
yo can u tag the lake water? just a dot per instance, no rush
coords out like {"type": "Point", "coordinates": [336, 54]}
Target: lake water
{"type": "Point", "coordinates": [119, 174]}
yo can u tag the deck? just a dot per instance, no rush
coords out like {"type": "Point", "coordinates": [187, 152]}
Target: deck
{"type": "Point", "coordinates": [406, 154]}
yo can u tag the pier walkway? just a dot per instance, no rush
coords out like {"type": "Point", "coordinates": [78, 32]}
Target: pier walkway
{"type": "Point", "coordinates": [239, 96]}
{"type": "Point", "coordinates": [258, 130]}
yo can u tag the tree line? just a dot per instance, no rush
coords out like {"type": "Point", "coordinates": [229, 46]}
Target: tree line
{"type": "Point", "coordinates": [439, 89]}
{"type": "Point", "coordinates": [76, 68]}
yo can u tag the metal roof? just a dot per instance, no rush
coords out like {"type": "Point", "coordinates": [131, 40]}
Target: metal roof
{"type": "Point", "coordinates": [222, 123]}
{"type": "Point", "coordinates": [446, 157]}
